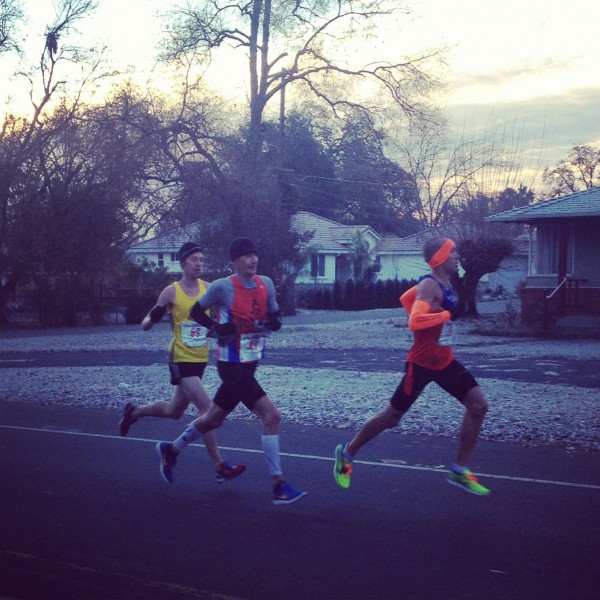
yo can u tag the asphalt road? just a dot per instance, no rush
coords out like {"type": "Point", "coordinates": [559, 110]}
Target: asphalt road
{"type": "Point", "coordinates": [85, 515]}
{"type": "Point", "coordinates": [547, 369]}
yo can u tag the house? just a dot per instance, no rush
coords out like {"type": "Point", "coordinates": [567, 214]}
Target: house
{"type": "Point", "coordinates": [330, 251]}
{"type": "Point", "coordinates": [162, 250]}
{"type": "Point", "coordinates": [402, 258]}
{"type": "Point", "coordinates": [512, 271]}
{"type": "Point", "coordinates": [564, 248]}
{"type": "Point", "coordinates": [333, 249]}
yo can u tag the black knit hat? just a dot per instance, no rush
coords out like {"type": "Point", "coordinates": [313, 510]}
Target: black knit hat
{"type": "Point", "coordinates": [241, 246]}
{"type": "Point", "coordinates": [187, 249]}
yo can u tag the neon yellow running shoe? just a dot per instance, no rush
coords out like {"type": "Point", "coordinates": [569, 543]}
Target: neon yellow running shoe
{"type": "Point", "coordinates": [467, 481]}
{"type": "Point", "coordinates": [342, 468]}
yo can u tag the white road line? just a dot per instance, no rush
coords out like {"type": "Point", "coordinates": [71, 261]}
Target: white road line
{"type": "Point", "coordinates": [589, 486]}
{"type": "Point", "coordinates": [14, 360]}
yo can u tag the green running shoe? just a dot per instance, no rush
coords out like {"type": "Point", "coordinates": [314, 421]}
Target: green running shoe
{"type": "Point", "coordinates": [467, 481]}
{"type": "Point", "coordinates": [342, 468]}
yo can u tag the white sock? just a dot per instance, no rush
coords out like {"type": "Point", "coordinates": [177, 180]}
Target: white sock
{"type": "Point", "coordinates": [270, 446]}
{"type": "Point", "coordinates": [187, 437]}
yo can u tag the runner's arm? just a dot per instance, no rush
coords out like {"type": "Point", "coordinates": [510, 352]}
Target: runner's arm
{"type": "Point", "coordinates": [273, 320]}
{"type": "Point", "coordinates": [424, 312]}
{"type": "Point", "coordinates": [213, 296]}
{"type": "Point", "coordinates": [165, 301]}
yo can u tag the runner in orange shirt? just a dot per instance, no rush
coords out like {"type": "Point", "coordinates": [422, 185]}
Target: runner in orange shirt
{"type": "Point", "coordinates": [431, 306]}
{"type": "Point", "coordinates": [246, 310]}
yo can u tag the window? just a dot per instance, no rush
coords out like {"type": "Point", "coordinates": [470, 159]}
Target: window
{"type": "Point", "coordinates": [161, 259]}
{"type": "Point", "coordinates": [545, 241]}
{"type": "Point", "coordinates": [174, 257]}
{"type": "Point", "coordinates": [317, 265]}
{"type": "Point", "coordinates": [377, 264]}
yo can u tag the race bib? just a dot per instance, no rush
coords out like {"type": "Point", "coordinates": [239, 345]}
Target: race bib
{"type": "Point", "coordinates": [251, 347]}
{"type": "Point", "coordinates": [193, 335]}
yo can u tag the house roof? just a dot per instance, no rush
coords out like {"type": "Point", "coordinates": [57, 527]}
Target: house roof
{"type": "Point", "coordinates": [329, 235]}
{"type": "Point", "coordinates": [578, 205]}
{"type": "Point", "coordinates": [169, 241]}
{"type": "Point", "coordinates": [413, 244]}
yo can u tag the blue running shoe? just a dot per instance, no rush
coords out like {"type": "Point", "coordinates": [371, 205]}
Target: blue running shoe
{"type": "Point", "coordinates": [284, 493]}
{"type": "Point", "coordinates": [168, 459]}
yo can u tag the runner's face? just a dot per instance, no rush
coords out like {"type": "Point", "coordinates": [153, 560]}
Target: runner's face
{"type": "Point", "coordinates": [194, 264]}
{"type": "Point", "coordinates": [451, 264]}
{"type": "Point", "coordinates": [246, 265]}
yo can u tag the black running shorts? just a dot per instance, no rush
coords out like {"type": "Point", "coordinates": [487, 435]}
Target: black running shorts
{"type": "Point", "coordinates": [238, 384]}
{"type": "Point", "coordinates": [179, 370]}
{"type": "Point", "coordinates": [455, 379]}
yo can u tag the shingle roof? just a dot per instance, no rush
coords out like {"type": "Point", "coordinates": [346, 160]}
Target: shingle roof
{"type": "Point", "coordinates": [580, 204]}
{"type": "Point", "coordinates": [329, 235]}
{"type": "Point", "coordinates": [169, 241]}
{"type": "Point", "coordinates": [414, 243]}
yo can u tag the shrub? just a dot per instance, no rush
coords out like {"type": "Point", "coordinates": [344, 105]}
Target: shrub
{"type": "Point", "coordinates": [337, 301]}
{"type": "Point", "coordinates": [348, 302]}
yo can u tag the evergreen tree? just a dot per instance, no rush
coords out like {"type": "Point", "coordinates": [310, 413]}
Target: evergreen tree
{"type": "Point", "coordinates": [337, 301]}
{"type": "Point", "coordinates": [349, 300]}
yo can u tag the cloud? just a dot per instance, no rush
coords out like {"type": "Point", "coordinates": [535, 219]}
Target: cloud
{"type": "Point", "coordinates": [550, 124]}
{"type": "Point", "coordinates": [467, 79]}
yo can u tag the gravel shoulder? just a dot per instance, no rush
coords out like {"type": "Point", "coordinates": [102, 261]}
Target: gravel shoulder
{"type": "Point", "coordinates": [524, 413]}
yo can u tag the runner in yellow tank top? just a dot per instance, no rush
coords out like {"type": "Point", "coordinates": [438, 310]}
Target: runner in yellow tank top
{"type": "Point", "coordinates": [188, 356]}
{"type": "Point", "coordinates": [189, 343]}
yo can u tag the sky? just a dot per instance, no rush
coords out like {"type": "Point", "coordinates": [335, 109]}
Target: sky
{"type": "Point", "coordinates": [528, 64]}
{"type": "Point", "coordinates": [529, 61]}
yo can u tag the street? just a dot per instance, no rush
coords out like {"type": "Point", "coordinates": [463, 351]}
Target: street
{"type": "Point", "coordinates": [582, 372]}
{"type": "Point", "coordinates": [85, 514]}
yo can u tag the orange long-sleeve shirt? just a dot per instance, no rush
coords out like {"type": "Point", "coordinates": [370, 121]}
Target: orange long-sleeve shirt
{"type": "Point", "coordinates": [426, 351]}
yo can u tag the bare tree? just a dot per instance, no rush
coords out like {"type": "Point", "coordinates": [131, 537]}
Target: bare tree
{"type": "Point", "coordinates": [450, 173]}
{"type": "Point", "coordinates": [580, 171]}
{"type": "Point", "coordinates": [478, 257]}
{"type": "Point", "coordinates": [371, 188]}
{"type": "Point", "coordinates": [291, 43]}
{"type": "Point", "coordinates": [23, 141]}
{"type": "Point", "coordinates": [10, 16]}
{"type": "Point", "coordinates": [460, 184]}
{"type": "Point", "coordinates": [171, 147]}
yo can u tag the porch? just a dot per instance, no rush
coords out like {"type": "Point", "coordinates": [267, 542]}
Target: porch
{"type": "Point", "coordinates": [572, 308]}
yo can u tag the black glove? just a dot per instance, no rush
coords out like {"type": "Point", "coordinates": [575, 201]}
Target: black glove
{"type": "Point", "coordinates": [273, 322]}
{"type": "Point", "coordinates": [224, 332]}
{"type": "Point", "coordinates": [224, 329]}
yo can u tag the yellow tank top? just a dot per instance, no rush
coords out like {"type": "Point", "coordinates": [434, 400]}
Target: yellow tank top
{"type": "Point", "coordinates": [189, 342]}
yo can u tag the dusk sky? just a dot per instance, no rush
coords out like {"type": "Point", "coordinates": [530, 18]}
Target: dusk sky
{"type": "Point", "coordinates": [533, 62]}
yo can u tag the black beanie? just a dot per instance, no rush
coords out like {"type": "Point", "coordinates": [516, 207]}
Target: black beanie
{"type": "Point", "coordinates": [187, 249]}
{"type": "Point", "coordinates": [241, 246]}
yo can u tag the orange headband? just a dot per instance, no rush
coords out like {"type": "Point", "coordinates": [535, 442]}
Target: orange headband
{"type": "Point", "coordinates": [441, 256]}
